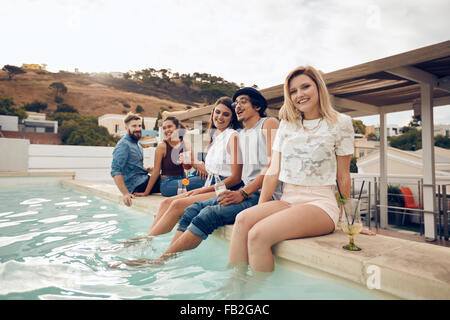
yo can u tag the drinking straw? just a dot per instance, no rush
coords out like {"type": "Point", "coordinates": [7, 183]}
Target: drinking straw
{"type": "Point", "coordinates": [359, 199]}
{"type": "Point", "coordinates": [342, 200]}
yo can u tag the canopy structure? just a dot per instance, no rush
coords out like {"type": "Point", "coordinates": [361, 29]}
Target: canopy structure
{"type": "Point", "coordinates": [415, 80]}
{"type": "Point", "coordinates": [386, 85]}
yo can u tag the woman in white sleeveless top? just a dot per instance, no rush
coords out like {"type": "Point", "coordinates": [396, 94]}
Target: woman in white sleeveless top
{"type": "Point", "coordinates": [312, 149]}
{"type": "Point", "coordinates": [221, 159]}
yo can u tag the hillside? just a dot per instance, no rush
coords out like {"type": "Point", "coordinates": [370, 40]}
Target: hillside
{"type": "Point", "coordinates": [93, 96]}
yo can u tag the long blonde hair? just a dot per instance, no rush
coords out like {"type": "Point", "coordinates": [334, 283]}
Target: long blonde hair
{"type": "Point", "coordinates": [289, 113]}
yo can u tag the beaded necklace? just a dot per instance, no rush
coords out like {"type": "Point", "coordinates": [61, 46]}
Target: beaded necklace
{"type": "Point", "coordinates": [313, 130]}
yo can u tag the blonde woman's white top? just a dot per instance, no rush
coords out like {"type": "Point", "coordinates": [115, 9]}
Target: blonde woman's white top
{"type": "Point", "coordinates": [218, 160]}
{"type": "Point", "coordinates": [308, 157]}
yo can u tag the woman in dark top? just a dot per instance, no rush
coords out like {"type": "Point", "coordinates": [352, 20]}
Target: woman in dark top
{"type": "Point", "coordinates": [167, 169]}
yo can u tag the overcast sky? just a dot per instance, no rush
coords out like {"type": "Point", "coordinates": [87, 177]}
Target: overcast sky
{"type": "Point", "coordinates": [244, 41]}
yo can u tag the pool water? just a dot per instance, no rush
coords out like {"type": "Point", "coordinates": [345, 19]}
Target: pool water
{"type": "Point", "coordinates": [56, 243]}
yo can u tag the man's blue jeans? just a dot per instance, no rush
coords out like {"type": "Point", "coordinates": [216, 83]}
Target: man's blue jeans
{"type": "Point", "coordinates": [202, 218]}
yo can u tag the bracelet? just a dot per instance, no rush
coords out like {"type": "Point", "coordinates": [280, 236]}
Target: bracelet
{"type": "Point", "coordinates": [244, 194]}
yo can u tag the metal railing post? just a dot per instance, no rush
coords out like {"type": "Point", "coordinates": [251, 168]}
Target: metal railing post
{"type": "Point", "coordinates": [369, 210]}
{"type": "Point", "coordinates": [353, 187]}
{"type": "Point", "coordinates": [445, 210]}
{"type": "Point", "coordinates": [439, 212]}
{"type": "Point", "coordinates": [376, 203]}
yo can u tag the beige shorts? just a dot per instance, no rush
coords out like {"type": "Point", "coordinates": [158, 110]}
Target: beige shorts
{"type": "Point", "coordinates": [322, 197]}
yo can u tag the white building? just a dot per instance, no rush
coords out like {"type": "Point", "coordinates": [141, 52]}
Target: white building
{"type": "Point", "coordinates": [115, 125]}
{"type": "Point", "coordinates": [442, 129]}
{"type": "Point", "coordinates": [9, 123]}
{"type": "Point", "coordinates": [35, 122]}
{"type": "Point", "coordinates": [392, 130]}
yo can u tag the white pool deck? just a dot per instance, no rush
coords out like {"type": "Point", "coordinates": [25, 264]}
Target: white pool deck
{"type": "Point", "coordinates": [397, 268]}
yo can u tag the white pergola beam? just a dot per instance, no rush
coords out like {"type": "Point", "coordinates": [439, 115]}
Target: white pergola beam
{"type": "Point", "coordinates": [356, 114]}
{"type": "Point", "coordinates": [414, 74]}
{"type": "Point", "coordinates": [354, 105]}
{"type": "Point", "coordinates": [397, 107]}
{"type": "Point", "coordinates": [437, 102]}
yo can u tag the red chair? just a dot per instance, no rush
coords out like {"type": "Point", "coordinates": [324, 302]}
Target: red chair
{"type": "Point", "coordinates": [409, 202]}
{"type": "Point", "coordinates": [409, 198]}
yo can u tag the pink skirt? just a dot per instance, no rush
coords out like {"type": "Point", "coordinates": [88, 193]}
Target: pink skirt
{"type": "Point", "coordinates": [322, 197]}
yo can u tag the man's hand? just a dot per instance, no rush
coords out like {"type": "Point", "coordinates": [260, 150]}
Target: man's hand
{"type": "Point", "coordinates": [127, 199]}
{"type": "Point", "coordinates": [140, 194]}
{"type": "Point", "coordinates": [148, 169]}
{"type": "Point", "coordinates": [229, 197]}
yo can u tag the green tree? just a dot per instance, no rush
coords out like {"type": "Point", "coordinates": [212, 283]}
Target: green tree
{"type": "Point", "coordinates": [372, 137]}
{"type": "Point", "coordinates": [410, 140]}
{"type": "Point", "coordinates": [353, 165]}
{"type": "Point", "coordinates": [66, 129]}
{"type": "Point", "coordinates": [161, 110]}
{"type": "Point", "coordinates": [359, 126]}
{"type": "Point", "coordinates": [7, 108]}
{"type": "Point", "coordinates": [442, 141]}
{"type": "Point", "coordinates": [75, 129]}
{"type": "Point", "coordinates": [36, 106]}
{"type": "Point", "coordinates": [62, 116]}
{"type": "Point", "coordinates": [64, 107]}
{"type": "Point", "coordinates": [415, 122]}
{"type": "Point", "coordinates": [12, 71]}
{"type": "Point", "coordinates": [59, 89]}
{"type": "Point", "coordinates": [139, 109]}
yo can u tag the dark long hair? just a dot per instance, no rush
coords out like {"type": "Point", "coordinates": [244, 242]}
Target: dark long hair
{"type": "Point", "coordinates": [234, 123]}
{"type": "Point", "coordinates": [181, 128]}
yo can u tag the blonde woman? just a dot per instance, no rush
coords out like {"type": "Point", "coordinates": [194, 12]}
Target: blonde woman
{"type": "Point", "coordinates": [312, 148]}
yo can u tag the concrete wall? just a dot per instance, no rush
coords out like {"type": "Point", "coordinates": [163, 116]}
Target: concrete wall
{"type": "Point", "coordinates": [9, 123]}
{"type": "Point", "coordinates": [89, 163]}
{"type": "Point", "coordinates": [34, 137]}
{"type": "Point", "coordinates": [14, 155]}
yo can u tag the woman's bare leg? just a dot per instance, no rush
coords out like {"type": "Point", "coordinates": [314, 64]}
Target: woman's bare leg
{"type": "Point", "coordinates": [245, 220]}
{"type": "Point", "coordinates": [298, 221]}
{"type": "Point", "coordinates": [177, 235]}
{"type": "Point", "coordinates": [162, 209]}
{"type": "Point", "coordinates": [183, 241]}
{"type": "Point", "coordinates": [173, 213]}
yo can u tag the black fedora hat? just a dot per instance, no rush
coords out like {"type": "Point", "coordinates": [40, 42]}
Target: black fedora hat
{"type": "Point", "coordinates": [252, 93]}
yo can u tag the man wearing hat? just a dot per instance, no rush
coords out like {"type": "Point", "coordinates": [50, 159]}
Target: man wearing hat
{"type": "Point", "coordinates": [255, 141]}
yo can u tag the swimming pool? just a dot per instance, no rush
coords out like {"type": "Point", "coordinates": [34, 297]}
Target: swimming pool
{"type": "Point", "coordinates": [56, 243]}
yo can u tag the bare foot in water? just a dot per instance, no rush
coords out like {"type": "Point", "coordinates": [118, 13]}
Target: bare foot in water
{"type": "Point", "coordinates": [139, 263]}
{"type": "Point", "coordinates": [144, 262]}
{"type": "Point", "coordinates": [137, 240]}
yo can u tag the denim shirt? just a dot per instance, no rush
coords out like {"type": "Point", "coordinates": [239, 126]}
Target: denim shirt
{"type": "Point", "coordinates": [128, 160]}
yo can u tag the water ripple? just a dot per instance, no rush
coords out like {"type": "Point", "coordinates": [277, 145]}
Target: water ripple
{"type": "Point", "coordinates": [58, 219]}
{"type": "Point", "coordinates": [35, 201]}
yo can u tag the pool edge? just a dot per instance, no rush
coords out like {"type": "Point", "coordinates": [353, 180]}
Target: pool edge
{"type": "Point", "coordinates": [393, 267]}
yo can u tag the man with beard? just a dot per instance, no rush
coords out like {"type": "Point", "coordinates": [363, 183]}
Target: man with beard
{"type": "Point", "coordinates": [127, 167]}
